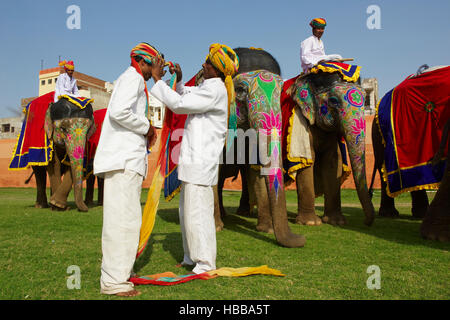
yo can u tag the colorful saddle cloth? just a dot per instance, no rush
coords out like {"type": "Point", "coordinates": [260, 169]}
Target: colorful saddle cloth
{"type": "Point", "coordinates": [80, 102]}
{"type": "Point", "coordinates": [348, 72]}
{"type": "Point", "coordinates": [411, 118]}
{"type": "Point", "coordinates": [33, 146]}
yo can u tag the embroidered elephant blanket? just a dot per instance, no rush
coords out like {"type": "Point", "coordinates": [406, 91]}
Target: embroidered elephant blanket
{"type": "Point", "coordinates": [411, 118]}
{"type": "Point", "coordinates": [296, 152]}
{"type": "Point", "coordinates": [348, 72]}
{"type": "Point", "coordinates": [33, 146]}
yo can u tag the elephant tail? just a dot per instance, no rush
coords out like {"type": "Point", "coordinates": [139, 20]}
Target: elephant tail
{"type": "Point", "coordinates": [374, 172]}
{"type": "Point", "coordinates": [29, 178]}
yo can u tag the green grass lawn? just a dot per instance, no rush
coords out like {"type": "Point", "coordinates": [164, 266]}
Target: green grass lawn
{"type": "Point", "coordinates": [38, 245]}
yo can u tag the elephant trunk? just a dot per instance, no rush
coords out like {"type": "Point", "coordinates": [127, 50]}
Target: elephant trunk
{"type": "Point", "coordinates": [75, 146]}
{"type": "Point", "coordinates": [353, 126]}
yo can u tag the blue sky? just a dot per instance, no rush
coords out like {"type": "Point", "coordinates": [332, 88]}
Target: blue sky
{"type": "Point", "coordinates": [413, 32]}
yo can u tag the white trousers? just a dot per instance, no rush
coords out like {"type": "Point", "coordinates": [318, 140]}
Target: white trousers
{"type": "Point", "coordinates": [122, 219]}
{"type": "Point", "coordinates": [198, 229]}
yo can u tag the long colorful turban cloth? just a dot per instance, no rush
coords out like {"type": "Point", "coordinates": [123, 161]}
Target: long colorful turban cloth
{"type": "Point", "coordinates": [68, 65]}
{"type": "Point", "coordinates": [318, 23]}
{"type": "Point", "coordinates": [150, 55]}
{"type": "Point", "coordinates": [226, 61]}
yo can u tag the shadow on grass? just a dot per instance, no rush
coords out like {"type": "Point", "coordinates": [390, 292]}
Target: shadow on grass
{"type": "Point", "coordinates": [403, 230]}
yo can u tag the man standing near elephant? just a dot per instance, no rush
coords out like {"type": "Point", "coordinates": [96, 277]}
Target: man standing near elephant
{"type": "Point", "coordinates": [121, 159]}
{"type": "Point", "coordinates": [203, 140]}
{"type": "Point", "coordinates": [312, 50]}
{"type": "Point", "coordinates": [66, 83]}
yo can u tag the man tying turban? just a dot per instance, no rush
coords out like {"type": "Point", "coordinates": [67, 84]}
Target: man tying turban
{"type": "Point", "coordinates": [203, 141]}
{"type": "Point", "coordinates": [66, 83]}
{"type": "Point", "coordinates": [312, 50]}
{"type": "Point", "coordinates": [121, 159]}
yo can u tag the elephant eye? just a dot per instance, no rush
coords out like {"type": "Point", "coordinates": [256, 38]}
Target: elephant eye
{"type": "Point", "coordinates": [241, 93]}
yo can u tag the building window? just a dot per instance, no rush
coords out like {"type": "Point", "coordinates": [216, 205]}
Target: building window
{"type": "Point", "coordinates": [56, 79]}
{"type": "Point", "coordinates": [12, 129]}
{"type": "Point", "coordinates": [42, 82]}
{"type": "Point", "coordinates": [6, 127]}
{"type": "Point", "coordinates": [49, 81]}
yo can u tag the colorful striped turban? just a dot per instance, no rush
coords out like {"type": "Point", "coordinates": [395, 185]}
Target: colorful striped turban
{"type": "Point", "coordinates": [226, 61]}
{"type": "Point", "coordinates": [67, 64]}
{"type": "Point", "coordinates": [146, 51]}
{"type": "Point", "coordinates": [318, 23]}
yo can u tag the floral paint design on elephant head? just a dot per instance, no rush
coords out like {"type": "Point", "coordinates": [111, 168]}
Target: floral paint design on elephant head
{"type": "Point", "coordinates": [258, 97]}
{"type": "Point", "coordinates": [72, 133]}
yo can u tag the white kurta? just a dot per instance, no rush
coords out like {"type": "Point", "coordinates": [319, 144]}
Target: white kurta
{"type": "Point", "coordinates": [122, 143]}
{"type": "Point", "coordinates": [312, 51]}
{"type": "Point", "coordinates": [66, 85]}
{"type": "Point", "coordinates": [203, 141]}
{"type": "Point", "coordinates": [205, 127]}
{"type": "Point", "coordinates": [121, 158]}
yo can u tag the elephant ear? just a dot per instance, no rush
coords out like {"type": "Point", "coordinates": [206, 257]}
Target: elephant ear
{"type": "Point", "coordinates": [301, 93]}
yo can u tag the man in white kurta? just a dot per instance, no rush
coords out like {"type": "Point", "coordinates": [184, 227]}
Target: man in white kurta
{"type": "Point", "coordinates": [312, 49]}
{"type": "Point", "coordinates": [202, 144]}
{"type": "Point", "coordinates": [66, 84]}
{"type": "Point", "coordinates": [121, 159]}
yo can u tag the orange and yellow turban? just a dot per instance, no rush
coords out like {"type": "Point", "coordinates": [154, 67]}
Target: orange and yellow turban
{"type": "Point", "coordinates": [146, 52]}
{"type": "Point", "coordinates": [226, 61]}
{"type": "Point", "coordinates": [67, 64]}
{"type": "Point", "coordinates": [318, 23]}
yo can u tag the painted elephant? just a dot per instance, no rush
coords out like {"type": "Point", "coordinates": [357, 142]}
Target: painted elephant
{"type": "Point", "coordinates": [422, 102]}
{"type": "Point", "coordinates": [68, 126]}
{"type": "Point", "coordinates": [436, 223]}
{"type": "Point", "coordinates": [258, 116]}
{"type": "Point", "coordinates": [333, 108]}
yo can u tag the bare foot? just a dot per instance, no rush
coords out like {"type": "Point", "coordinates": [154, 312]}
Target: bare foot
{"type": "Point", "coordinates": [131, 293]}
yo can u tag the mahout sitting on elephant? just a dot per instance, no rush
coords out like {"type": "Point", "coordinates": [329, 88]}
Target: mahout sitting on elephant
{"type": "Point", "coordinates": [331, 109]}
{"type": "Point", "coordinates": [53, 133]}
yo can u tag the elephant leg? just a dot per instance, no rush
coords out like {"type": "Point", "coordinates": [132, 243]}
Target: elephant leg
{"type": "Point", "coordinates": [41, 187]}
{"type": "Point", "coordinates": [331, 177]}
{"type": "Point", "coordinates": [387, 204]}
{"type": "Point", "coordinates": [89, 194]}
{"type": "Point", "coordinates": [100, 185]}
{"type": "Point", "coordinates": [244, 203]}
{"type": "Point", "coordinates": [54, 171]}
{"type": "Point", "coordinates": [59, 199]}
{"type": "Point", "coordinates": [257, 185]}
{"type": "Point", "coordinates": [306, 212]}
{"type": "Point", "coordinates": [419, 203]}
{"type": "Point", "coordinates": [436, 223]}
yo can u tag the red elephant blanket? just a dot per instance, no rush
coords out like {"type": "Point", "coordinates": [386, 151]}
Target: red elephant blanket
{"type": "Point", "coordinates": [411, 118]}
{"type": "Point", "coordinates": [33, 146]}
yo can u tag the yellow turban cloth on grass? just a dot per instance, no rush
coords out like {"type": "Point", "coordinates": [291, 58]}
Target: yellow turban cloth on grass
{"type": "Point", "coordinates": [226, 61]}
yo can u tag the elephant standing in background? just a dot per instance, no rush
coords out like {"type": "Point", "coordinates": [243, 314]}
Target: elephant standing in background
{"type": "Point", "coordinates": [333, 108]}
{"type": "Point", "coordinates": [68, 126]}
